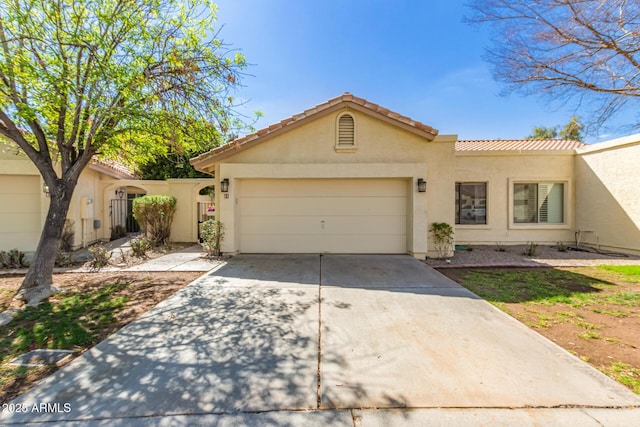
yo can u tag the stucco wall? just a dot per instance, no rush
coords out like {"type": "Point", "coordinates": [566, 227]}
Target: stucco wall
{"type": "Point", "coordinates": [499, 171]}
{"type": "Point", "coordinates": [185, 227]}
{"type": "Point", "coordinates": [608, 194]}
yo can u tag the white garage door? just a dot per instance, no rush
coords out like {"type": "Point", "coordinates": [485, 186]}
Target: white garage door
{"type": "Point", "coordinates": [19, 212]}
{"type": "Point", "coordinates": [323, 215]}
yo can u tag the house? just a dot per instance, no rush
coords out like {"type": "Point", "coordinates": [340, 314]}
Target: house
{"type": "Point", "coordinates": [349, 176]}
{"type": "Point", "coordinates": [100, 204]}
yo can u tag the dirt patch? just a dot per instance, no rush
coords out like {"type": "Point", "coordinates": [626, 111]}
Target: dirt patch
{"type": "Point", "coordinates": [135, 293]}
{"type": "Point", "coordinates": [592, 313]}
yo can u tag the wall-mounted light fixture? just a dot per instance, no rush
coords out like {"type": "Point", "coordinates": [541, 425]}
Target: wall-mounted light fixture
{"type": "Point", "coordinates": [120, 192]}
{"type": "Point", "coordinates": [45, 189]}
{"type": "Point", "coordinates": [224, 185]}
{"type": "Point", "coordinates": [422, 185]}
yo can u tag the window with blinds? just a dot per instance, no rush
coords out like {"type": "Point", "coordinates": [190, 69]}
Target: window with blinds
{"type": "Point", "coordinates": [538, 203]}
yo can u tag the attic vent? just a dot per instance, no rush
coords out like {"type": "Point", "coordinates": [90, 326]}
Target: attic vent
{"type": "Point", "coordinates": [346, 130]}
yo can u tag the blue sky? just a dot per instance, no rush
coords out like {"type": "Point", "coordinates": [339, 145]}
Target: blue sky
{"type": "Point", "coordinates": [414, 57]}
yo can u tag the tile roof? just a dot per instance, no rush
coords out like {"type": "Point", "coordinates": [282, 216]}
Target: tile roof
{"type": "Point", "coordinates": [517, 144]}
{"type": "Point", "coordinates": [328, 106]}
{"type": "Point", "coordinates": [118, 169]}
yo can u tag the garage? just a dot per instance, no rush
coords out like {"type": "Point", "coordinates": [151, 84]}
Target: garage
{"type": "Point", "coordinates": [19, 211]}
{"type": "Point", "coordinates": [323, 215]}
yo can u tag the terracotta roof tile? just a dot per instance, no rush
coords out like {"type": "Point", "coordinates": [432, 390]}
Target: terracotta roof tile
{"type": "Point", "coordinates": [517, 144]}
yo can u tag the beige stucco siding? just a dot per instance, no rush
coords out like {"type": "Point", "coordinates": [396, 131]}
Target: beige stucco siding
{"type": "Point", "coordinates": [19, 212]}
{"type": "Point", "coordinates": [608, 194]}
{"type": "Point", "coordinates": [323, 215]}
{"type": "Point", "coordinates": [184, 227]}
{"type": "Point", "coordinates": [500, 171]}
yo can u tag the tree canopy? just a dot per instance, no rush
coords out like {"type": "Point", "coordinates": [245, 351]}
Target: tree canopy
{"type": "Point", "coordinates": [585, 51]}
{"type": "Point", "coordinates": [572, 130]}
{"type": "Point", "coordinates": [115, 78]}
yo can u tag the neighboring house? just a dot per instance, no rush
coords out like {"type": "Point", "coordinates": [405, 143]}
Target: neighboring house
{"type": "Point", "coordinates": [343, 177]}
{"type": "Point", "coordinates": [101, 201]}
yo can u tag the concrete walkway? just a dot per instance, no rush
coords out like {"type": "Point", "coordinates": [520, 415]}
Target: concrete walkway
{"type": "Point", "coordinates": [310, 340]}
{"type": "Point", "coordinates": [188, 259]}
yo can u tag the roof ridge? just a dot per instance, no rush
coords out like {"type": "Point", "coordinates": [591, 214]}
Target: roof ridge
{"type": "Point", "coordinates": [332, 102]}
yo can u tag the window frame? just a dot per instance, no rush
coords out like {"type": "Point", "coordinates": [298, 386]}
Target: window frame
{"type": "Point", "coordinates": [486, 205]}
{"type": "Point", "coordinates": [567, 211]}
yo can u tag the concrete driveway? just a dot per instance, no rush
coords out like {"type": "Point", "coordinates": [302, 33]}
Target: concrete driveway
{"type": "Point", "coordinates": [311, 340]}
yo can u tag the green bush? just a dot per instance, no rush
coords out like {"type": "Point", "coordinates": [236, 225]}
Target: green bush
{"type": "Point", "coordinates": [101, 256]}
{"type": "Point", "coordinates": [212, 233]}
{"type": "Point", "coordinates": [442, 238]}
{"type": "Point", "coordinates": [139, 246]}
{"type": "Point", "coordinates": [155, 214]}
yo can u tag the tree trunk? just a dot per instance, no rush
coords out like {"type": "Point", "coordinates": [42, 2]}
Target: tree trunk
{"type": "Point", "coordinates": [37, 284]}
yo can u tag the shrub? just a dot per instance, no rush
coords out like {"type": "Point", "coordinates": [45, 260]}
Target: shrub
{"type": "Point", "coordinates": [118, 232]}
{"type": "Point", "coordinates": [155, 214]}
{"type": "Point", "coordinates": [442, 238]}
{"type": "Point", "coordinates": [12, 259]}
{"type": "Point", "coordinates": [139, 246]}
{"type": "Point", "coordinates": [63, 259]}
{"type": "Point", "coordinates": [101, 256]}
{"type": "Point", "coordinates": [212, 233]}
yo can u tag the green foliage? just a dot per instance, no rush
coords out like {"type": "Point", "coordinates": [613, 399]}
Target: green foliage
{"type": "Point", "coordinates": [140, 76]}
{"type": "Point", "coordinates": [171, 165]}
{"type": "Point", "coordinates": [626, 374]}
{"type": "Point", "coordinates": [76, 320]}
{"type": "Point", "coordinates": [629, 273]}
{"type": "Point", "coordinates": [100, 257]}
{"type": "Point", "coordinates": [12, 259]}
{"type": "Point", "coordinates": [140, 246]}
{"type": "Point", "coordinates": [212, 233]}
{"type": "Point", "coordinates": [572, 130]}
{"type": "Point", "coordinates": [155, 214]}
{"type": "Point", "coordinates": [442, 238]}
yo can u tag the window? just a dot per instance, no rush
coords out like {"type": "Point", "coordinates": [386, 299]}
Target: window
{"type": "Point", "coordinates": [346, 133]}
{"type": "Point", "coordinates": [471, 202]}
{"type": "Point", "coordinates": [538, 203]}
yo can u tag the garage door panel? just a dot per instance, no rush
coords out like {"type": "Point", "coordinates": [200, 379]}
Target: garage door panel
{"type": "Point", "coordinates": [302, 206]}
{"type": "Point", "coordinates": [19, 212]}
{"type": "Point", "coordinates": [325, 243]}
{"type": "Point", "coordinates": [313, 225]}
{"type": "Point", "coordinates": [323, 215]}
{"type": "Point", "coordinates": [20, 222]}
{"type": "Point", "coordinates": [323, 187]}
{"type": "Point", "coordinates": [18, 203]}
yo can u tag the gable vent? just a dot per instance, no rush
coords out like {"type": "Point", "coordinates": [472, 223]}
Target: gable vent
{"type": "Point", "coordinates": [346, 130]}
